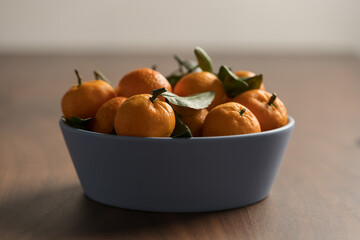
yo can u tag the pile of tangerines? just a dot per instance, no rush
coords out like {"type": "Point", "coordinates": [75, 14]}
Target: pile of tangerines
{"type": "Point", "coordinates": [192, 101]}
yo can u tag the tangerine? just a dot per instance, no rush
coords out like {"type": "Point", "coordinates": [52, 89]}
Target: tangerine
{"type": "Point", "coordinates": [198, 82]}
{"type": "Point", "coordinates": [141, 81]}
{"type": "Point", "coordinates": [267, 107]}
{"type": "Point", "coordinates": [230, 118]}
{"type": "Point", "coordinates": [104, 117]}
{"type": "Point", "coordinates": [84, 99]}
{"type": "Point", "coordinates": [144, 115]}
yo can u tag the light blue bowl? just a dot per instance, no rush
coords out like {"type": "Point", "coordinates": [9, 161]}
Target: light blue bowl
{"type": "Point", "coordinates": [177, 175]}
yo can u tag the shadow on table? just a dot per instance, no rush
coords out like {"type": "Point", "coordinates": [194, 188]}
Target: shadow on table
{"type": "Point", "coordinates": [68, 213]}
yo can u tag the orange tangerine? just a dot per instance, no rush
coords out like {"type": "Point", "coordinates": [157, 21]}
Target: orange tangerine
{"type": "Point", "coordinates": [143, 115]}
{"type": "Point", "coordinates": [84, 99]}
{"type": "Point", "coordinates": [104, 117]}
{"type": "Point", "coordinates": [198, 82]}
{"type": "Point", "coordinates": [267, 107]}
{"type": "Point", "coordinates": [141, 81]}
{"type": "Point", "coordinates": [230, 119]}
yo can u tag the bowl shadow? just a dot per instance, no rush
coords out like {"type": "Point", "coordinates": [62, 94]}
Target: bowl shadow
{"type": "Point", "coordinates": [68, 213]}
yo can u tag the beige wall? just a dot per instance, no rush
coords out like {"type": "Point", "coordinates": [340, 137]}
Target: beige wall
{"type": "Point", "coordinates": [159, 25]}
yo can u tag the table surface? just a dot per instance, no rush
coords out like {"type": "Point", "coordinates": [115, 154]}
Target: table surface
{"type": "Point", "coordinates": [316, 194]}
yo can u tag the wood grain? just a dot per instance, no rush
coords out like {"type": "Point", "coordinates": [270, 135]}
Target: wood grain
{"type": "Point", "coordinates": [315, 196]}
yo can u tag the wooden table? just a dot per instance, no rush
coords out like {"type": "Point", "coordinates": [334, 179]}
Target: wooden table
{"type": "Point", "coordinates": [316, 194]}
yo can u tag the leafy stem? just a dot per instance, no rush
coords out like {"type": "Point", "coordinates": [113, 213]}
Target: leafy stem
{"type": "Point", "coordinates": [154, 67]}
{"type": "Point", "coordinates": [243, 110]}
{"type": "Point", "coordinates": [190, 66]}
{"type": "Point", "coordinates": [78, 77]}
{"type": "Point", "coordinates": [155, 93]}
{"type": "Point", "coordinates": [272, 100]}
{"type": "Point", "coordinates": [100, 76]}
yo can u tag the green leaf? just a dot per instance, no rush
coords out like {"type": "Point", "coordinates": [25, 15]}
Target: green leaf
{"type": "Point", "coordinates": [233, 88]}
{"type": "Point", "coordinates": [196, 101]}
{"type": "Point", "coordinates": [233, 84]}
{"type": "Point", "coordinates": [77, 122]}
{"type": "Point", "coordinates": [254, 82]}
{"type": "Point", "coordinates": [181, 130]}
{"type": "Point", "coordinates": [100, 76]}
{"type": "Point", "coordinates": [203, 59]}
{"type": "Point", "coordinates": [226, 75]}
{"type": "Point", "coordinates": [224, 72]}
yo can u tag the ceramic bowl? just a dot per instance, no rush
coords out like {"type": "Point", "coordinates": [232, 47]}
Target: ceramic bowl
{"type": "Point", "coordinates": [177, 175]}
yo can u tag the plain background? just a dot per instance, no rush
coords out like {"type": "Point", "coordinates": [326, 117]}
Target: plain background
{"type": "Point", "coordinates": [159, 26]}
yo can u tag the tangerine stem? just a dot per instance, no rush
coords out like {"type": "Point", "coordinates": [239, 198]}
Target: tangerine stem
{"type": "Point", "coordinates": [100, 76]}
{"type": "Point", "coordinates": [97, 76]}
{"type": "Point", "coordinates": [243, 110]}
{"type": "Point", "coordinates": [182, 63]}
{"type": "Point", "coordinates": [155, 93]}
{"type": "Point", "coordinates": [78, 77]}
{"type": "Point", "coordinates": [272, 100]}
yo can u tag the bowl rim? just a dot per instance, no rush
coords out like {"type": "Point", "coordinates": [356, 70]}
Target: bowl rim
{"type": "Point", "coordinates": [289, 125]}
